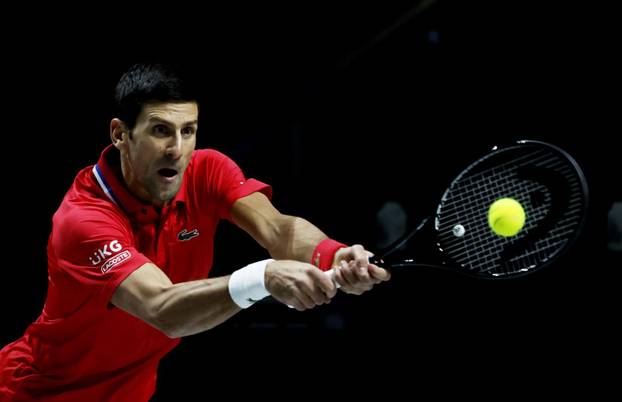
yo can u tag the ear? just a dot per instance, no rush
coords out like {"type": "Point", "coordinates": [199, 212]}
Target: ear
{"type": "Point", "coordinates": [118, 132]}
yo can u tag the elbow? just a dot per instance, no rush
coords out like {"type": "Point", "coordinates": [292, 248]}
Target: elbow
{"type": "Point", "coordinates": [170, 324]}
{"type": "Point", "coordinates": [163, 323]}
{"type": "Point", "coordinates": [171, 332]}
{"type": "Point", "coordinates": [177, 330]}
{"type": "Point", "coordinates": [176, 314]}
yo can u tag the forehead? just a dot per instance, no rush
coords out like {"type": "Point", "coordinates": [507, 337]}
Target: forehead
{"type": "Point", "coordinates": [174, 112]}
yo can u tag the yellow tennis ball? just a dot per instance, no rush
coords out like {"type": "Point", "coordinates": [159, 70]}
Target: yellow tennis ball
{"type": "Point", "coordinates": [506, 217]}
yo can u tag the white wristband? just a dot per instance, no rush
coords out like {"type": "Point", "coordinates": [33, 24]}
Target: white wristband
{"type": "Point", "coordinates": [247, 285]}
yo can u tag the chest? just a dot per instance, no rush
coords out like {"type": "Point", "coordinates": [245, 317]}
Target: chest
{"type": "Point", "coordinates": [179, 243]}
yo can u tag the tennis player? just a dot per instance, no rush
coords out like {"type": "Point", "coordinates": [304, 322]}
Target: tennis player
{"type": "Point", "coordinates": [131, 248]}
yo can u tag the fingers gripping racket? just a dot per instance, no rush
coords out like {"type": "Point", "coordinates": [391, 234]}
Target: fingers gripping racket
{"type": "Point", "coordinates": [542, 178]}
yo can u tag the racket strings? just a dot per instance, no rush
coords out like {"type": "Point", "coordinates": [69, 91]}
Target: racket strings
{"type": "Point", "coordinates": [467, 201]}
{"type": "Point", "coordinates": [539, 251]}
{"type": "Point", "coordinates": [482, 243]}
{"type": "Point", "coordinates": [477, 194]}
{"type": "Point", "coordinates": [484, 181]}
{"type": "Point", "coordinates": [536, 215]}
{"type": "Point", "coordinates": [484, 247]}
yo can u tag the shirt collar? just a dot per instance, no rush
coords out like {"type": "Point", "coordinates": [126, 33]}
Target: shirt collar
{"type": "Point", "coordinates": [107, 173]}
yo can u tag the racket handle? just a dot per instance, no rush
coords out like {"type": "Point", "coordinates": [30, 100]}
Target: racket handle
{"type": "Point", "coordinates": [331, 272]}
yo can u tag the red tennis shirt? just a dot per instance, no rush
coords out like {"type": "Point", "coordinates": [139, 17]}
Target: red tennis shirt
{"type": "Point", "coordinates": [81, 348]}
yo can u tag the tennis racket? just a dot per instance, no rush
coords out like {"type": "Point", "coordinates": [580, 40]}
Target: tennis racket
{"type": "Point", "coordinates": [543, 178]}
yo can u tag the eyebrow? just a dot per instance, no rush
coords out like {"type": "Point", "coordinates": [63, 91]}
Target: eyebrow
{"type": "Point", "coordinates": [159, 120]}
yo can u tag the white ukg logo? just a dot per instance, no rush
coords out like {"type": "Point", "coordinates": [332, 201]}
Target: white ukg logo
{"type": "Point", "coordinates": [102, 253]}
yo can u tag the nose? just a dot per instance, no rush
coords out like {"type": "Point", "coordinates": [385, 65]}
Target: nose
{"type": "Point", "coordinates": [173, 148]}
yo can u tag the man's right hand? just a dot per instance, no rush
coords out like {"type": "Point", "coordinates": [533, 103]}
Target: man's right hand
{"type": "Point", "coordinates": [298, 284]}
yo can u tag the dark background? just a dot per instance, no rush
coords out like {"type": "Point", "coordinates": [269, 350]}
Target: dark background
{"type": "Point", "coordinates": [341, 108]}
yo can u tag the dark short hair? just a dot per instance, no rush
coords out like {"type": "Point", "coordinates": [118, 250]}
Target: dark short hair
{"type": "Point", "coordinates": [145, 83]}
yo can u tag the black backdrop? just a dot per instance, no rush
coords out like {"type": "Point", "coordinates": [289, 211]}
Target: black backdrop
{"type": "Point", "coordinates": [341, 109]}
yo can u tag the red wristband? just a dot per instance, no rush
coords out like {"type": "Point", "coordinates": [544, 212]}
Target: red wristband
{"type": "Point", "coordinates": [324, 253]}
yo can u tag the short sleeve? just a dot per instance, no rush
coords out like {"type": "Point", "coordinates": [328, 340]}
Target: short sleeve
{"type": "Point", "coordinates": [225, 182]}
{"type": "Point", "coordinates": [94, 252]}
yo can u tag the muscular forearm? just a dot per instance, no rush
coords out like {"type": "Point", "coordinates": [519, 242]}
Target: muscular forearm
{"type": "Point", "coordinates": [298, 238]}
{"type": "Point", "coordinates": [191, 307]}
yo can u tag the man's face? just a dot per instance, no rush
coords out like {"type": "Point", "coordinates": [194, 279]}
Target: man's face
{"type": "Point", "coordinates": [159, 149]}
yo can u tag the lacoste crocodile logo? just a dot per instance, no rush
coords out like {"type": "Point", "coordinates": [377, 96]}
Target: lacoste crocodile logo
{"type": "Point", "coordinates": [184, 235]}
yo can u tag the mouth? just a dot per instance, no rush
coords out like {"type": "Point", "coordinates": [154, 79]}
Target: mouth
{"type": "Point", "coordinates": [168, 174]}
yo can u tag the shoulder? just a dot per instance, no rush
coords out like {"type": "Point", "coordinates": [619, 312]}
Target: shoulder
{"type": "Point", "coordinates": [85, 205]}
{"type": "Point", "coordinates": [78, 232]}
{"type": "Point", "coordinates": [211, 166]}
{"type": "Point", "coordinates": [211, 157]}
{"type": "Point", "coordinates": [76, 223]}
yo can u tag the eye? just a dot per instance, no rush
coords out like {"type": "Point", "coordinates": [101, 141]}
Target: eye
{"type": "Point", "coordinates": [160, 129]}
{"type": "Point", "coordinates": [188, 131]}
